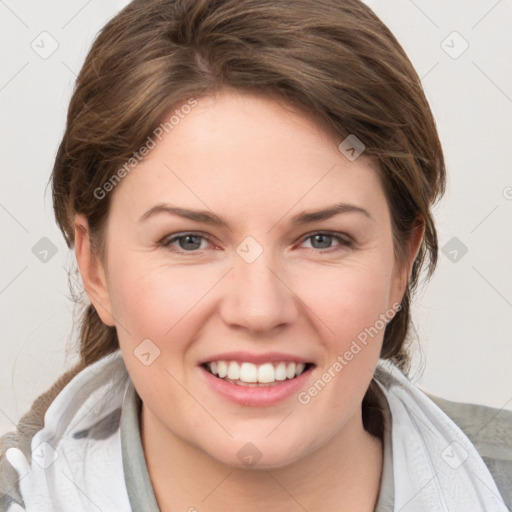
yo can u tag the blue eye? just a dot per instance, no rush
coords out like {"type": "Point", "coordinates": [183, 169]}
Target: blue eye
{"type": "Point", "coordinates": [324, 240]}
{"type": "Point", "coordinates": [321, 242]}
{"type": "Point", "coordinates": [187, 242]}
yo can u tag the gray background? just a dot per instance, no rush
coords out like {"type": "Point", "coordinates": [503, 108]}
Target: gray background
{"type": "Point", "coordinates": [463, 317]}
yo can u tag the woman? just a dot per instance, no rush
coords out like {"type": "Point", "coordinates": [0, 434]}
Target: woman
{"type": "Point", "coordinates": [247, 186]}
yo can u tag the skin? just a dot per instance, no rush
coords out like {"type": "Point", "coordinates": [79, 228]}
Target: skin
{"type": "Point", "coordinates": [255, 163]}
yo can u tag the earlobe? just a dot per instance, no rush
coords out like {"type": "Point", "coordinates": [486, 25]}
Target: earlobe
{"type": "Point", "coordinates": [414, 245]}
{"type": "Point", "coordinates": [92, 271]}
{"type": "Point", "coordinates": [404, 273]}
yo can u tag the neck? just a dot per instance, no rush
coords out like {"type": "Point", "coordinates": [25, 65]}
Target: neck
{"type": "Point", "coordinates": [343, 475]}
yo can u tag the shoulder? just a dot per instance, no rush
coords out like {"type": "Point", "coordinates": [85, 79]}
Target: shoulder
{"type": "Point", "coordinates": [29, 424]}
{"type": "Point", "coordinates": [490, 431]}
{"type": "Point", "coordinates": [9, 481]}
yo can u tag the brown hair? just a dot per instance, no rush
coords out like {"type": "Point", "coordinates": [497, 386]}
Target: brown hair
{"type": "Point", "coordinates": [334, 59]}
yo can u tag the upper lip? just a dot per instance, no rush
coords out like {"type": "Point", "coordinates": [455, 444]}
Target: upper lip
{"type": "Point", "coordinates": [267, 357]}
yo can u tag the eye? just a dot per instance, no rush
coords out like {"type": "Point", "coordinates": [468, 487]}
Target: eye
{"type": "Point", "coordinates": [323, 240]}
{"type": "Point", "coordinates": [191, 242]}
{"type": "Point", "coordinates": [187, 242]}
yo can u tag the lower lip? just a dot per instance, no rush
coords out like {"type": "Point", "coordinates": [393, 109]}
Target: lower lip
{"type": "Point", "coordinates": [256, 396]}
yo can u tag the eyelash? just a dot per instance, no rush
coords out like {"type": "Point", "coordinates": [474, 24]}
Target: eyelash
{"type": "Point", "coordinates": [344, 241]}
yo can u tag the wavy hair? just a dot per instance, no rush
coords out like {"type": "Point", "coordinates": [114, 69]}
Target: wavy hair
{"type": "Point", "coordinates": [334, 59]}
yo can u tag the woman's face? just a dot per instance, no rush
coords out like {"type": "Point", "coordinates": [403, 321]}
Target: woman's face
{"type": "Point", "coordinates": [257, 280]}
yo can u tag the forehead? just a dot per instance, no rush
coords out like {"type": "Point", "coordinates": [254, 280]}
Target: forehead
{"type": "Point", "coordinates": [237, 152]}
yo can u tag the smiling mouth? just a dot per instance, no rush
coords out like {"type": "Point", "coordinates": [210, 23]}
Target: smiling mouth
{"type": "Point", "coordinates": [253, 375]}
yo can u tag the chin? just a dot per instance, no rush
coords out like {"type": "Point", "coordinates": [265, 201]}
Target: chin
{"type": "Point", "coordinates": [260, 454]}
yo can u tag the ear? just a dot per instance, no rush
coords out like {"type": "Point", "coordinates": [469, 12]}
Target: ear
{"type": "Point", "coordinates": [402, 273]}
{"type": "Point", "coordinates": [92, 271]}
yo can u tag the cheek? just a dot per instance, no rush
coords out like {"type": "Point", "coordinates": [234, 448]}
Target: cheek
{"type": "Point", "coordinates": [143, 302]}
{"type": "Point", "coordinates": [155, 300]}
{"type": "Point", "coordinates": [347, 299]}
{"type": "Point", "coordinates": [347, 307]}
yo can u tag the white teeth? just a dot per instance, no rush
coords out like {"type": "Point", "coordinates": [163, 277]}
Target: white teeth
{"type": "Point", "coordinates": [222, 369]}
{"type": "Point", "coordinates": [290, 370]}
{"type": "Point", "coordinates": [233, 371]}
{"type": "Point", "coordinates": [250, 373]}
{"type": "Point", "coordinates": [280, 372]}
{"type": "Point", "coordinates": [266, 373]}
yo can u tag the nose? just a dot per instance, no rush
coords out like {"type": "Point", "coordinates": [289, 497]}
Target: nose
{"type": "Point", "coordinates": [258, 298]}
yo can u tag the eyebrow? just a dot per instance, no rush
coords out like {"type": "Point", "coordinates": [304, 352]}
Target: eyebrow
{"type": "Point", "coordinates": [208, 217]}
